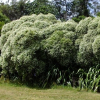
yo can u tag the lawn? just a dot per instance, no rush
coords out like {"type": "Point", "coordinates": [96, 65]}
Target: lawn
{"type": "Point", "coordinates": [15, 92]}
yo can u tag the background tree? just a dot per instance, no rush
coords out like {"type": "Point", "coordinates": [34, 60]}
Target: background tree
{"type": "Point", "coordinates": [64, 9]}
{"type": "Point", "coordinates": [3, 20]}
{"type": "Point", "coordinates": [15, 10]}
{"type": "Point", "coordinates": [68, 9]}
{"type": "Point", "coordinates": [96, 7]}
{"type": "Point", "coordinates": [24, 7]}
{"type": "Point", "coordinates": [40, 6]}
{"type": "Point", "coordinates": [81, 7]}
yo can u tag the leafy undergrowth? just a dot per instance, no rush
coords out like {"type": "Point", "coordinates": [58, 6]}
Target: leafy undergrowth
{"type": "Point", "coordinates": [10, 91]}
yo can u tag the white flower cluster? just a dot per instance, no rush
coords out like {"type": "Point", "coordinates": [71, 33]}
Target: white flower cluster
{"type": "Point", "coordinates": [89, 46]}
{"type": "Point", "coordinates": [21, 39]}
{"type": "Point", "coordinates": [82, 27]}
{"type": "Point", "coordinates": [59, 41]}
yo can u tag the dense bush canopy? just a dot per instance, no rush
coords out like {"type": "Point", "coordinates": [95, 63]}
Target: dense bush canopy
{"type": "Point", "coordinates": [89, 46]}
{"type": "Point", "coordinates": [26, 43]}
{"type": "Point", "coordinates": [37, 48]}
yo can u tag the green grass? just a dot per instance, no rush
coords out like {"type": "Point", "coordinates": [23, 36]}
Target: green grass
{"type": "Point", "coordinates": [15, 92]}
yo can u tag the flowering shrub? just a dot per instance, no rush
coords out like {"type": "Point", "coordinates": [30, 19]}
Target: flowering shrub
{"type": "Point", "coordinates": [39, 47]}
{"type": "Point", "coordinates": [60, 45]}
{"type": "Point", "coordinates": [89, 46]}
{"type": "Point", "coordinates": [20, 44]}
{"type": "Point", "coordinates": [26, 43]}
{"type": "Point", "coordinates": [82, 27]}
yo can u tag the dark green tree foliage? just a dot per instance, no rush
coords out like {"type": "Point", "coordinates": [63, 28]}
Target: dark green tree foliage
{"type": "Point", "coordinates": [79, 18]}
{"type": "Point", "coordinates": [3, 20]}
{"type": "Point", "coordinates": [23, 7]}
{"type": "Point", "coordinates": [15, 10]}
{"type": "Point", "coordinates": [40, 6]}
{"type": "Point", "coordinates": [80, 7]}
{"type": "Point", "coordinates": [19, 8]}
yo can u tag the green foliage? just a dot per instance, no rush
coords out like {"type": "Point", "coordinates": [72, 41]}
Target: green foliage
{"type": "Point", "coordinates": [90, 80]}
{"type": "Point", "coordinates": [22, 54]}
{"type": "Point", "coordinates": [14, 10]}
{"type": "Point", "coordinates": [38, 6]}
{"type": "Point", "coordinates": [39, 49]}
{"type": "Point", "coordinates": [7, 10]}
{"type": "Point", "coordinates": [88, 47]}
{"type": "Point", "coordinates": [81, 30]}
{"type": "Point", "coordinates": [1, 25]}
{"type": "Point", "coordinates": [98, 14]}
{"type": "Point", "coordinates": [0, 66]}
{"type": "Point", "coordinates": [79, 18]}
{"type": "Point", "coordinates": [29, 45]}
{"type": "Point", "coordinates": [81, 7]}
{"type": "Point", "coordinates": [96, 47]}
{"type": "Point", "coordinates": [3, 20]}
{"type": "Point", "coordinates": [82, 27]}
{"type": "Point", "coordinates": [20, 8]}
{"type": "Point", "coordinates": [59, 45]}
